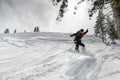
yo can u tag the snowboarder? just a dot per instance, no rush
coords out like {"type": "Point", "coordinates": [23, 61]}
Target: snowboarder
{"type": "Point", "coordinates": [78, 36]}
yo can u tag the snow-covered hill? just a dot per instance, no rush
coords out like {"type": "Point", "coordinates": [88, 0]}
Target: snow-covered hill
{"type": "Point", "coordinates": [51, 56]}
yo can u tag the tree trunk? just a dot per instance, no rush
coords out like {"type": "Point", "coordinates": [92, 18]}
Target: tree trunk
{"type": "Point", "coordinates": [117, 21]}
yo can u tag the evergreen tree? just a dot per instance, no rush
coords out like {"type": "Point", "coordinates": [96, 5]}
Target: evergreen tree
{"type": "Point", "coordinates": [24, 31]}
{"type": "Point", "coordinates": [6, 31]}
{"type": "Point", "coordinates": [98, 24]}
{"type": "Point", "coordinates": [100, 27]}
{"type": "Point", "coordinates": [110, 29]}
{"type": "Point", "coordinates": [35, 29]}
{"type": "Point", "coordinates": [15, 31]}
{"type": "Point", "coordinates": [112, 34]}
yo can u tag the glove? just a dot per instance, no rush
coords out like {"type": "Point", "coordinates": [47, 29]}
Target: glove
{"type": "Point", "coordinates": [86, 30]}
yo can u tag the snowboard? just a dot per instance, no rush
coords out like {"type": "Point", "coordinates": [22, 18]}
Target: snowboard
{"type": "Point", "coordinates": [75, 51]}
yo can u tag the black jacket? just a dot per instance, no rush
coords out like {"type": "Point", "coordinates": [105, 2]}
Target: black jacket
{"type": "Point", "coordinates": [78, 36]}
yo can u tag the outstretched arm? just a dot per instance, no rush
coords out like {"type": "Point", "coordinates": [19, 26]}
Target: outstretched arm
{"type": "Point", "coordinates": [73, 34]}
{"type": "Point", "coordinates": [86, 32]}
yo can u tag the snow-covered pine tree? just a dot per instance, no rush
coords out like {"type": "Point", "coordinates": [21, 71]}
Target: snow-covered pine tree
{"type": "Point", "coordinates": [35, 29]}
{"type": "Point", "coordinates": [15, 31]}
{"type": "Point", "coordinates": [6, 31]}
{"type": "Point", "coordinates": [112, 34]}
{"type": "Point", "coordinates": [100, 29]}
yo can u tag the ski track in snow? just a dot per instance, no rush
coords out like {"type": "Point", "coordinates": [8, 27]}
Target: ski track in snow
{"type": "Point", "coordinates": [50, 56]}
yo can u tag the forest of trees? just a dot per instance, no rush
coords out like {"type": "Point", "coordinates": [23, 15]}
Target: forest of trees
{"type": "Point", "coordinates": [97, 6]}
{"type": "Point", "coordinates": [36, 29]}
{"type": "Point", "coordinates": [104, 28]}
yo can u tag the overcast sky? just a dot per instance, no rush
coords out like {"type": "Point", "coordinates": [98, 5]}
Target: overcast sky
{"type": "Point", "coordinates": [26, 14]}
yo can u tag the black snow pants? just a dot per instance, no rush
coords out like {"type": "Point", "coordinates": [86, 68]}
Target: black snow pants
{"type": "Point", "coordinates": [78, 42]}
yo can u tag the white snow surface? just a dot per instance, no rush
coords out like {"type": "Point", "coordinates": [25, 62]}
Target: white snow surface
{"type": "Point", "coordinates": [51, 56]}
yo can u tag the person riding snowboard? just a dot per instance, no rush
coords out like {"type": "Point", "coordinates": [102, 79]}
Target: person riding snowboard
{"type": "Point", "coordinates": [78, 36]}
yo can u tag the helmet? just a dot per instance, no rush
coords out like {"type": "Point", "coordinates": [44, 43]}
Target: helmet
{"type": "Point", "coordinates": [81, 30]}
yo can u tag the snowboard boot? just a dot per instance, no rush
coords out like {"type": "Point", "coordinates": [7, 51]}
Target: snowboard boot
{"type": "Point", "coordinates": [77, 49]}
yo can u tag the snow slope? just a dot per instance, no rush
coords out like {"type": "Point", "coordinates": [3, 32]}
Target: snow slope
{"type": "Point", "coordinates": [51, 56]}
